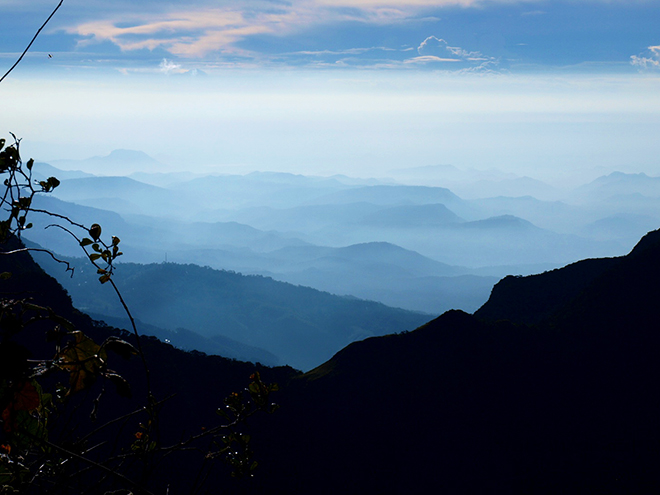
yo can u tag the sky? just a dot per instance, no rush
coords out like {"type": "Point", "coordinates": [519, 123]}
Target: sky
{"type": "Point", "coordinates": [543, 88]}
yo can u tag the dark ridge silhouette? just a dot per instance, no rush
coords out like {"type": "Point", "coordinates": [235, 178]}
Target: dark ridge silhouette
{"type": "Point", "coordinates": [533, 298]}
{"type": "Point", "coordinates": [463, 404]}
{"type": "Point", "coordinates": [466, 405]}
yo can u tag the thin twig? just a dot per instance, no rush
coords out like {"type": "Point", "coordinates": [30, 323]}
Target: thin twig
{"type": "Point", "coordinates": [34, 38]}
{"type": "Point", "coordinates": [38, 250]}
{"type": "Point", "coordinates": [84, 459]}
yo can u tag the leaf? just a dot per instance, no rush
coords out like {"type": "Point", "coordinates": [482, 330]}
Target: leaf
{"type": "Point", "coordinates": [122, 386]}
{"type": "Point", "coordinates": [94, 256]}
{"type": "Point", "coordinates": [5, 275]}
{"type": "Point", "coordinates": [29, 164]}
{"type": "Point", "coordinates": [95, 231]}
{"type": "Point", "coordinates": [84, 360]}
{"type": "Point", "coordinates": [119, 346]}
{"type": "Point", "coordinates": [53, 182]}
{"type": "Point", "coordinates": [85, 242]}
{"type": "Point", "coordinates": [115, 240]}
{"type": "Point", "coordinates": [104, 278]}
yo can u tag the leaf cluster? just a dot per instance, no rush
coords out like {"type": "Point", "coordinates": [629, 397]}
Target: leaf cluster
{"type": "Point", "coordinates": [37, 446]}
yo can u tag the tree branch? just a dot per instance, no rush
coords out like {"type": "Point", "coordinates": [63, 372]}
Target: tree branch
{"type": "Point", "coordinates": [34, 38]}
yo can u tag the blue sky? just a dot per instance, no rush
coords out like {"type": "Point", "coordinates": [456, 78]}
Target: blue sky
{"type": "Point", "coordinates": [340, 85]}
{"type": "Point", "coordinates": [524, 35]}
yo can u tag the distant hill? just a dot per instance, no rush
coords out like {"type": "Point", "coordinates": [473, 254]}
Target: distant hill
{"type": "Point", "coordinates": [393, 195]}
{"type": "Point", "coordinates": [120, 194]}
{"type": "Point", "coordinates": [517, 187]}
{"type": "Point", "coordinates": [42, 171]}
{"type": "Point", "coordinates": [258, 189]}
{"type": "Point", "coordinates": [507, 222]}
{"type": "Point", "coordinates": [412, 216]}
{"type": "Point", "coordinates": [188, 340]}
{"type": "Point", "coordinates": [118, 162]}
{"type": "Point", "coordinates": [301, 326]}
{"type": "Point", "coordinates": [619, 183]}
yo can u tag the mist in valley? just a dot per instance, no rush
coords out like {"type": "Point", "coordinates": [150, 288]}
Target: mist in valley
{"type": "Point", "coordinates": [420, 239]}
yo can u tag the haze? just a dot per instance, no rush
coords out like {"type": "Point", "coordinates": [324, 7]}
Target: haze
{"type": "Point", "coordinates": [353, 123]}
{"type": "Point", "coordinates": [409, 153]}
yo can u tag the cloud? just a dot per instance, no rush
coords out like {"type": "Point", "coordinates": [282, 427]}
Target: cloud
{"type": "Point", "coordinates": [649, 60]}
{"type": "Point", "coordinates": [433, 46]}
{"type": "Point", "coordinates": [168, 67]}
{"type": "Point", "coordinates": [235, 32]}
{"type": "Point", "coordinates": [423, 59]}
{"type": "Point", "coordinates": [203, 29]}
{"type": "Point", "coordinates": [434, 49]}
{"type": "Point", "coordinates": [187, 34]}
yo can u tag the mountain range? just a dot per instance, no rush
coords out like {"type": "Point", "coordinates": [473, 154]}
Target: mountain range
{"type": "Point", "coordinates": [301, 229]}
{"type": "Point", "coordinates": [548, 388]}
{"type": "Point", "coordinates": [254, 316]}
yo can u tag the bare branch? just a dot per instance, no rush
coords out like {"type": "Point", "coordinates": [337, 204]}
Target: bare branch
{"type": "Point", "coordinates": [25, 250]}
{"type": "Point", "coordinates": [34, 38]}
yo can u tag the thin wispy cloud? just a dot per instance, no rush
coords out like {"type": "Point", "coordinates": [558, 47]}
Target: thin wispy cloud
{"type": "Point", "coordinates": [434, 49]}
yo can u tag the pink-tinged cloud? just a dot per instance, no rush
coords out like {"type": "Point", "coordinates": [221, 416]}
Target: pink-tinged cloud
{"type": "Point", "coordinates": [187, 34]}
{"type": "Point", "coordinates": [195, 31]}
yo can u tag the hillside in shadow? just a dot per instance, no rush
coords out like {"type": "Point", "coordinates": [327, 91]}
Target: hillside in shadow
{"type": "Point", "coordinates": [488, 404]}
{"type": "Point", "coordinates": [483, 403]}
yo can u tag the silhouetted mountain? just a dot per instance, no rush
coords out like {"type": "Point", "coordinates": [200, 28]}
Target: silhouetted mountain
{"type": "Point", "coordinates": [532, 299]}
{"type": "Point", "coordinates": [466, 405]}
